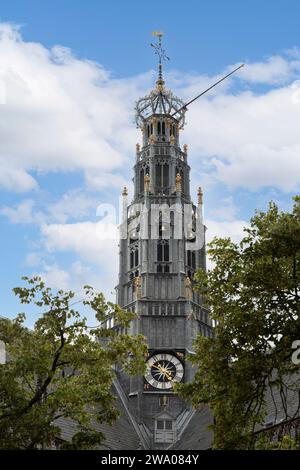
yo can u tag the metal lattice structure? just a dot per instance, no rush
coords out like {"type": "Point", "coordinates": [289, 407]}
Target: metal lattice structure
{"type": "Point", "coordinates": [160, 100]}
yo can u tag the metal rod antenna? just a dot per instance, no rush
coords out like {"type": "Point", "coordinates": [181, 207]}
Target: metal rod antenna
{"type": "Point", "coordinates": [205, 91]}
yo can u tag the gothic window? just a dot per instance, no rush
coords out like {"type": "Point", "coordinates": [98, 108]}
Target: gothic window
{"type": "Point", "coordinates": [173, 130]}
{"type": "Point", "coordinates": [163, 268]}
{"type": "Point", "coordinates": [142, 175]}
{"type": "Point", "coordinates": [162, 175]}
{"type": "Point", "coordinates": [134, 256]}
{"type": "Point", "coordinates": [163, 256]}
{"type": "Point", "coordinates": [159, 128]}
{"type": "Point", "coordinates": [163, 250]}
{"type": "Point", "coordinates": [158, 175]}
{"type": "Point", "coordinates": [148, 131]}
{"type": "Point", "coordinates": [165, 174]}
{"type": "Point", "coordinates": [163, 128]}
{"type": "Point", "coordinates": [191, 258]}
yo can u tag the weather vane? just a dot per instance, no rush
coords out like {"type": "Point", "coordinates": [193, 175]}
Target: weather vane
{"type": "Point", "coordinates": [160, 52]}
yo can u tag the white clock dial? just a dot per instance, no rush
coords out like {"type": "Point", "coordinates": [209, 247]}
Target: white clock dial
{"type": "Point", "coordinates": [163, 370]}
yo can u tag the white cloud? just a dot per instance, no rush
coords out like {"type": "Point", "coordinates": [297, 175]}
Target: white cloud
{"type": "Point", "coordinates": [55, 277]}
{"type": "Point", "coordinates": [274, 70]}
{"type": "Point", "coordinates": [23, 213]}
{"type": "Point", "coordinates": [12, 178]}
{"type": "Point", "coordinates": [225, 210]}
{"type": "Point", "coordinates": [223, 229]}
{"type": "Point", "coordinates": [61, 113]}
{"type": "Point", "coordinates": [33, 259]}
{"type": "Point", "coordinates": [247, 140]}
{"type": "Point", "coordinates": [73, 205]}
{"type": "Point", "coordinates": [87, 240]}
{"type": "Point", "coordinates": [96, 261]}
{"type": "Point", "coordinates": [99, 180]}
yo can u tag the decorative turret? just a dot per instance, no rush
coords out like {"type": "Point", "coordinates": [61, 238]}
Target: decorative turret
{"type": "Point", "coordinates": [160, 114]}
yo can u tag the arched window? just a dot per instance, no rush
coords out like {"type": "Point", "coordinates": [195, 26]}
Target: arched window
{"type": "Point", "coordinates": [162, 175]}
{"type": "Point", "coordinates": [163, 252]}
{"type": "Point", "coordinates": [191, 259]}
{"type": "Point", "coordinates": [163, 131]}
{"type": "Point", "coordinates": [159, 128]}
{"type": "Point", "coordinates": [142, 175]}
{"type": "Point", "coordinates": [134, 256]}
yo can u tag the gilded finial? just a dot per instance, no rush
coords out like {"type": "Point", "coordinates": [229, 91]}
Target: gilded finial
{"type": "Point", "coordinates": [138, 148]}
{"type": "Point", "coordinates": [188, 288]}
{"type": "Point", "coordinates": [178, 183]}
{"type": "Point", "coordinates": [185, 148]}
{"type": "Point", "coordinates": [200, 196]}
{"type": "Point", "coordinates": [137, 286]}
{"type": "Point", "coordinates": [152, 139]}
{"type": "Point", "coordinates": [146, 182]}
{"type": "Point", "coordinates": [172, 140]}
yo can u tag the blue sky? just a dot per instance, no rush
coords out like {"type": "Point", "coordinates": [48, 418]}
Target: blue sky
{"type": "Point", "coordinates": [70, 73]}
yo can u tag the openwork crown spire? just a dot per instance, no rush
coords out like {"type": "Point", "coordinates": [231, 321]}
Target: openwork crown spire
{"type": "Point", "coordinates": [159, 101]}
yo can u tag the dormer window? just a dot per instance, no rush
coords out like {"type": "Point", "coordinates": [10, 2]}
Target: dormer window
{"type": "Point", "coordinates": [165, 428]}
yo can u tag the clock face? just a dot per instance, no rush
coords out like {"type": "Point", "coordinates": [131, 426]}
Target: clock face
{"type": "Point", "coordinates": [163, 370]}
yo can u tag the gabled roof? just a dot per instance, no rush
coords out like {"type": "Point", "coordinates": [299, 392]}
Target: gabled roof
{"type": "Point", "coordinates": [196, 435]}
{"type": "Point", "coordinates": [121, 435]}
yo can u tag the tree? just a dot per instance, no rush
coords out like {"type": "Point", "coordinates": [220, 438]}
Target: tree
{"type": "Point", "coordinates": [253, 292]}
{"type": "Point", "coordinates": [62, 367]}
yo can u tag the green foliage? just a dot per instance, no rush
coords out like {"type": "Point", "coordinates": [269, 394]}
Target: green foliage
{"type": "Point", "coordinates": [62, 367]}
{"type": "Point", "coordinates": [284, 443]}
{"type": "Point", "coordinates": [253, 293]}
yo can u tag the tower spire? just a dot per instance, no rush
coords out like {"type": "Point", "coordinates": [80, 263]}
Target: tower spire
{"type": "Point", "coordinates": [161, 57]}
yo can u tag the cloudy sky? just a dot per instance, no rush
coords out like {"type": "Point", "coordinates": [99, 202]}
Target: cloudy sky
{"type": "Point", "coordinates": [70, 73]}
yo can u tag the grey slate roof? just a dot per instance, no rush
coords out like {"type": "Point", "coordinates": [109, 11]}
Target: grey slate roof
{"type": "Point", "coordinates": [275, 404]}
{"type": "Point", "coordinates": [196, 435]}
{"type": "Point", "coordinates": [121, 435]}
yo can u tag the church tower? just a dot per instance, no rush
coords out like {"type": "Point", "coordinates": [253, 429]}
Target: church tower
{"type": "Point", "coordinates": [161, 247]}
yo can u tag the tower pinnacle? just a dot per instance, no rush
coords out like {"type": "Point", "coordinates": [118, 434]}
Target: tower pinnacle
{"type": "Point", "coordinates": [161, 57]}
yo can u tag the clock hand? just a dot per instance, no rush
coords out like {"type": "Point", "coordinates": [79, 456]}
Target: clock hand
{"type": "Point", "coordinates": [164, 371]}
